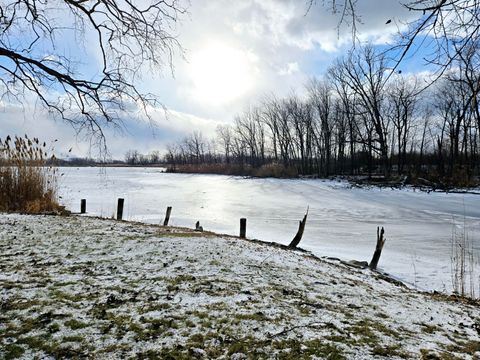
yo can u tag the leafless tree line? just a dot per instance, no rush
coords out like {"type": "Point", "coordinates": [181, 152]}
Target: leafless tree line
{"type": "Point", "coordinates": [134, 157]}
{"type": "Point", "coordinates": [360, 118]}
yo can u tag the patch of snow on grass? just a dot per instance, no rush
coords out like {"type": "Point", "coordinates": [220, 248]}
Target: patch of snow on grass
{"type": "Point", "coordinates": [77, 286]}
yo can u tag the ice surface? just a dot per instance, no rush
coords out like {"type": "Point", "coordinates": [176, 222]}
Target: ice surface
{"type": "Point", "coordinates": [342, 220]}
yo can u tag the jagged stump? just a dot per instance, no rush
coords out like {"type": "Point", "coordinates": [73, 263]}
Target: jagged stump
{"type": "Point", "coordinates": [378, 248]}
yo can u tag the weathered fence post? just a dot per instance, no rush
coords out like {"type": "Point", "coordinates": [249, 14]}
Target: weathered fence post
{"type": "Point", "coordinates": [378, 248]}
{"type": "Point", "coordinates": [167, 216]}
{"type": "Point", "coordinates": [301, 229]}
{"type": "Point", "coordinates": [120, 208]}
{"type": "Point", "coordinates": [243, 227]}
{"type": "Point", "coordinates": [83, 206]}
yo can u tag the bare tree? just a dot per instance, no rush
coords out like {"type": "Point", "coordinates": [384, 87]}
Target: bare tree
{"type": "Point", "coordinates": [224, 134]}
{"type": "Point", "coordinates": [402, 98]}
{"type": "Point", "coordinates": [276, 116]}
{"type": "Point", "coordinates": [346, 11]}
{"type": "Point", "coordinates": [195, 146]}
{"type": "Point", "coordinates": [127, 37]}
{"type": "Point", "coordinates": [132, 157]}
{"type": "Point", "coordinates": [298, 121]}
{"type": "Point", "coordinates": [365, 73]}
{"type": "Point", "coordinates": [154, 157]}
{"type": "Point", "coordinates": [348, 101]}
{"type": "Point", "coordinates": [447, 26]}
{"type": "Point", "coordinates": [320, 94]}
{"type": "Point", "coordinates": [251, 133]}
{"type": "Point", "coordinates": [173, 155]}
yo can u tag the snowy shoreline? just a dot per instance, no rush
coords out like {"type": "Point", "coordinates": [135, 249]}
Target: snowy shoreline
{"type": "Point", "coordinates": [342, 221]}
{"type": "Point", "coordinates": [79, 286]}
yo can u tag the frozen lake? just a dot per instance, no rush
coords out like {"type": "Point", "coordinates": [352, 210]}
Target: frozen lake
{"type": "Point", "coordinates": [342, 221]}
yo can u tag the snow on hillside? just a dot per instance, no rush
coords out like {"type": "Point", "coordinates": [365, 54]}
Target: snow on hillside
{"type": "Point", "coordinates": [78, 286]}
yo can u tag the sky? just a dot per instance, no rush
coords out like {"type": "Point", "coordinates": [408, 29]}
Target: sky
{"type": "Point", "coordinates": [235, 54]}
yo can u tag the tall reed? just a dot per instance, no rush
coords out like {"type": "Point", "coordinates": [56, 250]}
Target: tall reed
{"type": "Point", "coordinates": [462, 261]}
{"type": "Point", "coordinates": [28, 179]}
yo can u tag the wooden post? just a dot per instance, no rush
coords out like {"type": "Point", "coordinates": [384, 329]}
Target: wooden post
{"type": "Point", "coordinates": [243, 227]}
{"type": "Point", "coordinates": [83, 206]}
{"type": "Point", "coordinates": [301, 229]}
{"type": "Point", "coordinates": [378, 248]}
{"type": "Point", "coordinates": [167, 216]}
{"type": "Point", "coordinates": [120, 208]}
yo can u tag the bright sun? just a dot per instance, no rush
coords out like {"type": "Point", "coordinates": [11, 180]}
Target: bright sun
{"type": "Point", "coordinates": [220, 73]}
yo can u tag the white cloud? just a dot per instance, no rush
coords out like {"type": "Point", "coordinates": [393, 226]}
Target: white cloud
{"type": "Point", "coordinates": [287, 23]}
{"type": "Point", "coordinates": [290, 69]}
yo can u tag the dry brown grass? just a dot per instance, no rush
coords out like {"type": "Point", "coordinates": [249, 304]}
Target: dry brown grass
{"type": "Point", "coordinates": [268, 170]}
{"type": "Point", "coordinates": [28, 184]}
{"type": "Point", "coordinates": [276, 171]}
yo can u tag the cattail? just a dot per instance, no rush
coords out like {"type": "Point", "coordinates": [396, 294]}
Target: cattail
{"type": "Point", "coordinates": [26, 183]}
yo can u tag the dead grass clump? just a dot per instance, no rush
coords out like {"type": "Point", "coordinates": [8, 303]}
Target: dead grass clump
{"type": "Point", "coordinates": [276, 171]}
{"type": "Point", "coordinates": [28, 179]}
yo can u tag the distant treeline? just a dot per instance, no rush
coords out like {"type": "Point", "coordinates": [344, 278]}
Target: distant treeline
{"type": "Point", "coordinates": [132, 158]}
{"type": "Point", "coordinates": [144, 160]}
{"type": "Point", "coordinates": [361, 118]}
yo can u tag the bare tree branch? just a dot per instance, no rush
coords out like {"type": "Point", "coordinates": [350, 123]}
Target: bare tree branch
{"type": "Point", "coordinates": [128, 36]}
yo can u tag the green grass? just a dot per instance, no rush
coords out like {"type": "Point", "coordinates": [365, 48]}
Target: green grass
{"type": "Point", "coordinates": [293, 349]}
{"type": "Point", "coordinates": [73, 338]}
{"type": "Point", "coordinates": [390, 350]}
{"type": "Point", "coordinates": [465, 347]}
{"type": "Point", "coordinates": [13, 351]}
{"type": "Point", "coordinates": [75, 324]}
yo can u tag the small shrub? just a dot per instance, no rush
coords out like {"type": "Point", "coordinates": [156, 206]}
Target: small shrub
{"type": "Point", "coordinates": [28, 180]}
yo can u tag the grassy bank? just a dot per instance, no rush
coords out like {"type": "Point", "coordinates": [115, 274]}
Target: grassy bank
{"type": "Point", "coordinates": [74, 287]}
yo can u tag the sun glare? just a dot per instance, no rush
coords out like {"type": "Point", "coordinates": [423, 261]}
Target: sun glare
{"type": "Point", "coordinates": [220, 73]}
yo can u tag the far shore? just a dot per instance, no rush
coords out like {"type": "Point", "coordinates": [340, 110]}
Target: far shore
{"type": "Point", "coordinates": [359, 180]}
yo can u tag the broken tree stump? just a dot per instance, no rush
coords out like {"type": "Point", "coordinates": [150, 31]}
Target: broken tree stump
{"type": "Point", "coordinates": [301, 229]}
{"type": "Point", "coordinates": [378, 248]}
{"type": "Point", "coordinates": [167, 216]}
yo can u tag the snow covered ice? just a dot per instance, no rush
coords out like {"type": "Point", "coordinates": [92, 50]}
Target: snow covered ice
{"type": "Point", "coordinates": [342, 220]}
